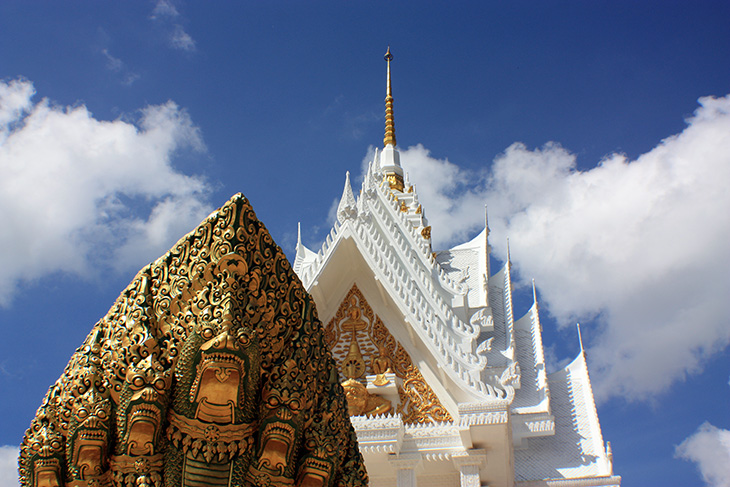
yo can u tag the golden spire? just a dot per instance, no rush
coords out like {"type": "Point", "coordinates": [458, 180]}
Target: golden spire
{"type": "Point", "coordinates": [389, 123]}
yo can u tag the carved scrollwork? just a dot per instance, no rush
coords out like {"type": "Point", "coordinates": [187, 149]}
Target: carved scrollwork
{"type": "Point", "coordinates": [210, 367]}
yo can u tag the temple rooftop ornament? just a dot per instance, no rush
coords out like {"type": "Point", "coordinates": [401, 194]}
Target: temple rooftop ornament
{"type": "Point", "coordinates": [446, 383]}
{"type": "Point", "coordinates": [389, 138]}
{"type": "Point", "coordinates": [390, 157]}
{"type": "Point", "coordinates": [210, 369]}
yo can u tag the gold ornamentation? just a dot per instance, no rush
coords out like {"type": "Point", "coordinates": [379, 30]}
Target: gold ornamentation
{"type": "Point", "coordinates": [381, 366]}
{"type": "Point", "coordinates": [426, 232]}
{"type": "Point", "coordinates": [210, 367]}
{"type": "Point", "coordinates": [395, 181]}
{"type": "Point", "coordinates": [353, 367]}
{"type": "Point", "coordinates": [361, 402]}
{"type": "Point", "coordinates": [418, 402]}
{"type": "Point", "coordinates": [389, 138]}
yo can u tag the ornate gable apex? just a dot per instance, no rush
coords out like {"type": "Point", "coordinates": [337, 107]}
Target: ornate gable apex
{"type": "Point", "coordinates": [396, 254]}
{"type": "Point", "coordinates": [386, 229]}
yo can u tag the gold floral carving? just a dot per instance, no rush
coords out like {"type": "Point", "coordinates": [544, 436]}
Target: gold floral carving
{"type": "Point", "coordinates": [210, 369]}
{"type": "Point", "coordinates": [383, 353]}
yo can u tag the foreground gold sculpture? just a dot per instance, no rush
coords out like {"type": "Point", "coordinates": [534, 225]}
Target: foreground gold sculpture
{"type": "Point", "coordinates": [210, 369]}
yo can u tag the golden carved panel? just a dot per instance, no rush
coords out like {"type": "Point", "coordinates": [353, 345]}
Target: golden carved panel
{"type": "Point", "coordinates": [210, 368]}
{"type": "Point", "coordinates": [356, 327]}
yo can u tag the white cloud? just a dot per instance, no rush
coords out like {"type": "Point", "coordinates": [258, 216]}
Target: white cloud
{"type": "Point", "coordinates": [709, 448]}
{"type": "Point", "coordinates": [81, 195]}
{"type": "Point", "coordinates": [166, 13]}
{"type": "Point", "coordinates": [179, 39]}
{"type": "Point", "coordinates": [9, 466]}
{"type": "Point", "coordinates": [164, 8]}
{"type": "Point", "coordinates": [16, 100]}
{"type": "Point", "coordinates": [640, 245]}
{"type": "Point", "coordinates": [116, 65]}
{"type": "Point", "coordinates": [112, 63]}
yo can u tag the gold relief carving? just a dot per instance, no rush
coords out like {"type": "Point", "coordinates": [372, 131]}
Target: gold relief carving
{"type": "Point", "coordinates": [403, 207]}
{"type": "Point", "coordinates": [395, 181]}
{"type": "Point", "coordinates": [353, 366]}
{"type": "Point", "coordinates": [210, 369]}
{"type": "Point", "coordinates": [382, 365]}
{"type": "Point", "coordinates": [418, 402]}
{"type": "Point", "coordinates": [426, 232]}
{"type": "Point", "coordinates": [361, 402]}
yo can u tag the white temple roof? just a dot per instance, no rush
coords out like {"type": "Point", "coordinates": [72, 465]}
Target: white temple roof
{"type": "Point", "coordinates": [509, 422]}
{"type": "Point", "coordinates": [577, 448]}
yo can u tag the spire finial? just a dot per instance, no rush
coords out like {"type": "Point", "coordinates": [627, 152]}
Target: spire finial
{"type": "Point", "coordinates": [389, 138]}
{"type": "Point", "coordinates": [486, 219]}
{"type": "Point", "coordinates": [580, 339]}
{"type": "Point", "coordinates": [509, 258]}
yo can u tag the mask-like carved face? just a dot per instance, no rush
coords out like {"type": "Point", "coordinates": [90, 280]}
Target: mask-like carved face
{"type": "Point", "coordinates": [88, 444]}
{"type": "Point", "coordinates": [143, 402]}
{"type": "Point", "coordinates": [44, 452]}
{"type": "Point", "coordinates": [219, 381]}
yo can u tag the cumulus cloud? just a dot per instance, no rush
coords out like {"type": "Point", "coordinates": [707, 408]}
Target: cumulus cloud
{"type": "Point", "coordinates": [639, 247]}
{"type": "Point", "coordinates": [16, 100]}
{"type": "Point", "coordinates": [709, 448]}
{"type": "Point", "coordinates": [83, 196]}
{"type": "Point", "coordinates": [8, 466]}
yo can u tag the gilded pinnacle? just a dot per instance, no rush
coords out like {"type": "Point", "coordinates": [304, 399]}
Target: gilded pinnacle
{"type": "Point", "coordinates": [389, 122]}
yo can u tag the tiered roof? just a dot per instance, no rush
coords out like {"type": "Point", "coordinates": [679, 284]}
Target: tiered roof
{"type": "Point", "coordinates": [456, 322]}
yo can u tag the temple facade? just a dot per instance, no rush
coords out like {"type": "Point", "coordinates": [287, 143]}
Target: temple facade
{"type": "Point", "coordinates": [445, 385]}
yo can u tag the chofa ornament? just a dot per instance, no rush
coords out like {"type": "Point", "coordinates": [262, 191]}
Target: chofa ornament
{"type": "Point", "coordinates": [210, 369]}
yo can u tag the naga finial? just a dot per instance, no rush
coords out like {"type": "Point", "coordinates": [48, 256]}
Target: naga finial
{"type": "Point", "coordinates": [389, 123]}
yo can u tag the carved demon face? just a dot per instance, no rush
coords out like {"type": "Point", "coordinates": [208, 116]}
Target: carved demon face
{"type": "Point", "coordinates": [220, 373]}
{"type": "Point", "coordinates": [88, 443]}
{"type": "Point", "coordinates": [143, 402]}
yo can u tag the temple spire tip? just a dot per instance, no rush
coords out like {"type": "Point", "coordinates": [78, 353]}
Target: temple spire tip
{"type": "Point", "coordinates": [389, 138]}
{"type": "Point", "coordinates": [580, 339]}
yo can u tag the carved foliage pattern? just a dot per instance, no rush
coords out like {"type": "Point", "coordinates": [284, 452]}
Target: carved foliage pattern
{"type": "Point", "coordinates": [418, 402]}
{"type": "Point", "coordinates": [210, 367]}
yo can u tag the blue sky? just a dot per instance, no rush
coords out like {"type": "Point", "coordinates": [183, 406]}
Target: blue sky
{"type": "Point", "coordinates": [597, 132]}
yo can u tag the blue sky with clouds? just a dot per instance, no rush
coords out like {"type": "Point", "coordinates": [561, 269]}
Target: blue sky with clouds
{"type": "Point", "coordinates": [597, 132]}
